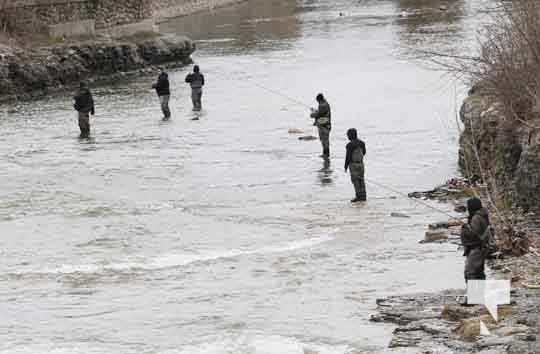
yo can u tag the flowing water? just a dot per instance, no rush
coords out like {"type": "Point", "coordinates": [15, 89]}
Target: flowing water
{"type": "Point", "coordinates": [226, 234]}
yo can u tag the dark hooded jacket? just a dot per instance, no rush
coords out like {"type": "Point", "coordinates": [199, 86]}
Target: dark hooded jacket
{"type": "Point", "coordinates": [195, 80]}
{"type": "Point", "coordinates": [162, 85]}
{"type": "Point", "coordinates": [84, 102]}
{"type": "Point", "coordinates": [472, 233]}
{"type": "Point", "coordinates": [323, 111]}
{"type": "Point", "coordinates": [356, 149]}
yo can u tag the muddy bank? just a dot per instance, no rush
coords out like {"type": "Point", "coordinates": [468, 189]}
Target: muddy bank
{"type": "Point", "coordinates": [26, 73]}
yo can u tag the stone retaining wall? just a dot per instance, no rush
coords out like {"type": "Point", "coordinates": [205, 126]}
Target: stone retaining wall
{"type": "Point", "coordinates": [61, 17]}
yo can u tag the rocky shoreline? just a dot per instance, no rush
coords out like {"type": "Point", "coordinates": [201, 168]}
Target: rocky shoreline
{"type": "Point", "coordinates": [27, 73]}
{"type": "Point", "coordinates": [440, 323]}
{"type": "Point", "coordinates": [500, 158]}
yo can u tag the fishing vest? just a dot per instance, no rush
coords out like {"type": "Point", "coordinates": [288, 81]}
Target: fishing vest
{"type": "Point", "coordinates": [357, 155]}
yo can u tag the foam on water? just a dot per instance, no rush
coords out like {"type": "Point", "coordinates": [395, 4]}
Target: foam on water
{"type": "Point", "coordinates": [261, 344]}
{"type": "Point", "coordinates": [178, 260]}
{"type": "Point", "coordinates": [240, 344]}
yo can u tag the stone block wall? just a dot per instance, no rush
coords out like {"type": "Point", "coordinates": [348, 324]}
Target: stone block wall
{"type": "Point", "coordinates": [175, 8]}
{"type": "Point", "coordinates": [37, 15]}
{"type": "Point", "coordinates": [110, 13]}
{"type": "Point", "coordinates": [40, 15]}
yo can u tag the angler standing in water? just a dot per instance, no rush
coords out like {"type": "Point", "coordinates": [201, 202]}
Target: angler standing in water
{"type": "Point", "coordinates": [196, 81]}
{"type": "Point", "coordinates": [84, 105]}
{"type": "Point", "coordinates": [323, 123]}
{"type": "Point", "coordinates": [164, 93]}
{"type": "Point", "coordinates": [354, 162]}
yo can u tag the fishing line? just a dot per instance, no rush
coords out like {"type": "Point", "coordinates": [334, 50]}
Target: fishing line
{"type": "Point", "coordinates": [300, 103]}
{"type": "Point", "coordinates": [367, 180]}
{"type": "Point", "coordinates": [412, 199]}
{"type": "Point", "coordinates": [282, 95]}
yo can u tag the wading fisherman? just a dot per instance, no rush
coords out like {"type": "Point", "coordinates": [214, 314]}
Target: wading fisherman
{"type": "Point", "coordinates": [196, 81]}
{"type": "Point", "coordinates": [322, 117]}
{"type": "Point", "coordinates": [84, 105]}
{"type": "Point", "coordinates": [354, 162]}
{"type": "Point", "coordinates": [164, 93]}
{"type": "Point", "coordinates": [475, 236]}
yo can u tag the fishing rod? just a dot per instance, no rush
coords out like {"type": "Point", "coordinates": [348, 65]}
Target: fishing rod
{"type": "Point", "coordinates": [282, 95]}
{"type": "Point", "coordinates": [367, 180]}
{"type": "Point", "coordinates": [413, 199]}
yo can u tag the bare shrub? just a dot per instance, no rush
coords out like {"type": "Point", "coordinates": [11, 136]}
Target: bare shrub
{"type": "Point", "coordinates": [508, 67]}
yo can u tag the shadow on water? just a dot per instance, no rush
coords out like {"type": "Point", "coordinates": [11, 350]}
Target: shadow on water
{"type": "Point", "coordinates": [324, 175]}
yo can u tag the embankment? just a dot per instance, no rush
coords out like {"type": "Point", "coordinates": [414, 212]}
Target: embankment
{"type": "Point", "coordinates": [504, 152]}
{"type": "Point", "coordinates": [27, 72]}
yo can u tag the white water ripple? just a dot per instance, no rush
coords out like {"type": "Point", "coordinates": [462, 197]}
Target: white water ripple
{"type": "Point", "coordinates": [177, 260]}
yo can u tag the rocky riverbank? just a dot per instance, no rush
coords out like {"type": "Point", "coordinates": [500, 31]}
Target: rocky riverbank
{"type": "Point", "coordinates": [438, 323]}
{"type": "Point", "coordinates": [29, 72]}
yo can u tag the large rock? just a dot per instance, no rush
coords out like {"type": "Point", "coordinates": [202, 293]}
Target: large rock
{"type": "Point", "coordinates": [34, 71]}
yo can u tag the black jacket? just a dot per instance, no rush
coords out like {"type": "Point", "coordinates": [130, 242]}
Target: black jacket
{"type": "Point", "coordinates": [84, 102]}
{"type": "Point", "coordinates": [351, 148]}
{"type": "Point", "coordinates": [162, 85]}
{"type": "Point", "coordinates": [195, 80]}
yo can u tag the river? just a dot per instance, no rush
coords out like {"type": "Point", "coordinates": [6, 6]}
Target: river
{"type": "Point", "coordinates": [226, 234]}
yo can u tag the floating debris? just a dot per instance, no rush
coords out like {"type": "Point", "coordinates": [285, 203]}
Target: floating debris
{"type": "Point", "coordinates": [308, 137]}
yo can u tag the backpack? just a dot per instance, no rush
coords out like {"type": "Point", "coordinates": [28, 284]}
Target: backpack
{"type": "Point", "coordinates": [489, 243]}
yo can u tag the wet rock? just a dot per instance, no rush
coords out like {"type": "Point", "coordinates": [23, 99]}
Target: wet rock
{"type": "Point", "coordinates": [399, 215]}
{"type": "Point", "coordinates": [307, 137]}
{"type": "Point", "coordinates": [435, 236]}
{"type": "Point", "coordinates": [460, 209]}
{"type": "Point", "coordinates": [457, 312]}
{"type": "Point", "coordinates": [439, 225]}
{"type": "Point", "coordinates": [510, 331]}
{"type": "Point", "coordinates": [493, 341]}
{"type": "Point", "coordinates": [521, 347]}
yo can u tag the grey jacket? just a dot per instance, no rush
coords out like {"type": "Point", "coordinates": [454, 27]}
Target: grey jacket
{"type": "Point", "coordinates": [472, 233]}
{"type": "Point", "coordinates": [321, 113]}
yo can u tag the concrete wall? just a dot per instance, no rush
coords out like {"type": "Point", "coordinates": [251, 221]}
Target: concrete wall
{"type": "Point", "coordinates": [69, 17]}
{"type": "Point", "coordinates": [175, 8]}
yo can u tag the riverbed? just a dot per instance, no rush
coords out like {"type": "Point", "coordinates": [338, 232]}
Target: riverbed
{"type": "Point", "coordinates": [219, 232]}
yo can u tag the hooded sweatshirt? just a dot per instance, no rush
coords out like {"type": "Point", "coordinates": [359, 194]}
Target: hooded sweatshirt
{"type": "Point", "coordinates": [84, 102]}
{"type": "Point", "coordinates": [472, 232]}
{"type": "Point", "coordinates": [356, 149]}
{"type": "Point", "coordinates": [162, 85]}
{"type": "Point", "coordinates": [195, 80]}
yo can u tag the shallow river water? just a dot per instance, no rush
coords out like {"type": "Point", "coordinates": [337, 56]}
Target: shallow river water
{"type": "Point", "coordinates": [226, 234]}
